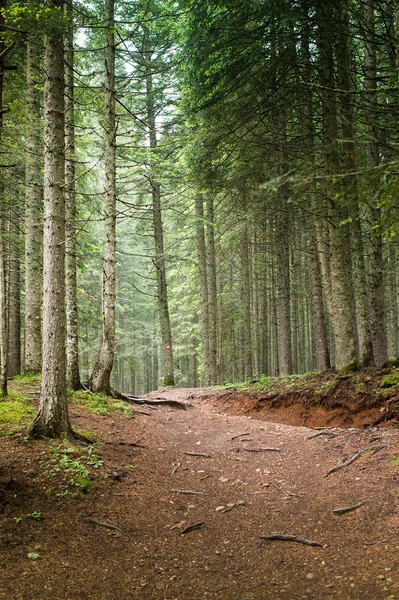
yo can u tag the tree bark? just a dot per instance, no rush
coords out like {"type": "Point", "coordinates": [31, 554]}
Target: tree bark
{"type": "Point", "coordinates": [52, 418]}
{"type": "Point", "coordinates": [73, 375]}
{"type": "Point", "coordinates": [14, 294]}
{"type": "Point", "coordinates": [319, 321]}
{"type": "Point", "coordinates": [160, 265]}
{"type": "Point", "coordinates": [203, 282]}
{"type": "Point", "coordinates": [365, 353]}
{"type": "Point", "coordinates": [101, 377]}
{"type": "Point", "coordinates": [212, 290]}
{"type": "Point", "coordinates": [340, 304]}
{"type": "Point", "coordinates": [3, 272]}
{"type": "Point", "coordinates": [33, 206]}
{"type": "Point", "coordinates": [376, 280]}
{"type": "Point", "coordinates": [246, 337]}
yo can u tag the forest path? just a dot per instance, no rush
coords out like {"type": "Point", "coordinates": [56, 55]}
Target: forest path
{"type": "Point", "coordinates": [279, 487]}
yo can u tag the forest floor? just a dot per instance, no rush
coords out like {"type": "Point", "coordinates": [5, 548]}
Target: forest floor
{"type": "Point", "coordinates": [174, 500]}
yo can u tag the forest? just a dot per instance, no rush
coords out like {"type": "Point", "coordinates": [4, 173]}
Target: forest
{"type": "Point", "coordinates": [196, 192]}
{"type": "Point", "coordinates": [199, 320]}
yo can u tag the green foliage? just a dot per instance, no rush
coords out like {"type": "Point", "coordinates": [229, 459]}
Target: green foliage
{"type": "Point", "coordinates": [50, 21]}
{"type": "Point", "coordinates": [72, 468]}
{"type": "Point", "coordinates": [99, 404]}
{"type": "Point", "coordinates": [390, 380]}
{"type": "Point", "coordinates": [15, 410]}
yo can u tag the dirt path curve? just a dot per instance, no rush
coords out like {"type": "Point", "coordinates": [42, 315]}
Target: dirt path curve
{"type": "Point", "coordinates": [269, 479]}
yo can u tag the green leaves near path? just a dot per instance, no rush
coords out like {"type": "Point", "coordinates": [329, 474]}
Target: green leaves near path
{"type": "Point", "coordinates": [99, 404]}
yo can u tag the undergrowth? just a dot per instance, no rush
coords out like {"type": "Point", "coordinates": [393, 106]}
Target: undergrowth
{"type": "Point", "coordinates": [70, 469]}
{"type": "Point", "coordinates": [99, 404]}
{"type": "Point", "coordinates": [15, 411]}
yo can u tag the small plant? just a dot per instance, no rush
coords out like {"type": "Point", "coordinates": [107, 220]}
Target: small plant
{"type": "Point", "coordinates": [35, 554]}
{"type": "Point", "coordinates": [72, 465]}
{"type": "Point", "coordinates": [17, 519]}
{"type": "Point", "coordinates": [35, 515]}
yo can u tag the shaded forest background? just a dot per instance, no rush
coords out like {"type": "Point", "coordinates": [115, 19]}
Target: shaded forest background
{"type": "Point", "coordinates": [256, 185]}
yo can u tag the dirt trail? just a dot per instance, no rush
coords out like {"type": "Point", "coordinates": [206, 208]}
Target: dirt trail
{"type": "Point", "coordinates": [270, 479]}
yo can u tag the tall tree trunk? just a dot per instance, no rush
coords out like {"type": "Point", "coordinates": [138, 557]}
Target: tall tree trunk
{"type": "Point", "coordinates": [33, 206]}
{"type": "Point", "coordinates": [101, 377]}
{"type": "Point", "coordinates": [246, 344]}
{"type": "Point", "coordinates": [14, 270]}
{"type": "Point", "coordinates": [376, 279]}
{"type": "Point", "coordinates": [52, 418]}
{"type": "Point", "coordinates": [3, 254]}
{"type": "Point", "coordinates": [284, 293]}
{"type": "Point", "coordinates": [203, 282]}
{"type": "Point", "coordinates": [160, 266]}
{"type": "Point", "coordinates": [212, 290]}
{"type": "Point", "coordinates": [73, 375]}
{"type": "Point", "coordinates": [340, 304]}
{"type": "Point", "coordinates": [351, 187]}
{"type": "Point", "coordinates": [319, 321]}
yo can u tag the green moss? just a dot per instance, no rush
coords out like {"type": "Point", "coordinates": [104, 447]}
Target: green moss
{"type": "Point", "coordinates": [99, 404]}
{"type": "Point", "coordinates": [390, 380]}
{"type": "Point", "coordinates": [27, 379]}
{"type": "Point", "coordinates": [395, 461]}
{"type": "Point", "coordinates": [15, 409]}
{"type": "Point", "coordinates": [353, 366]}
{"type": "Point", "coordinates": [169, 382]}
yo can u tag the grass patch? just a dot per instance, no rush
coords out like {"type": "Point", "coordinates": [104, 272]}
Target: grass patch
{"type": "Point", "coordinates": [27, 379]}
{"type": "Point", "coordinates": [99, 404]}
{"type": "Point", "coordinates": [16, 409]}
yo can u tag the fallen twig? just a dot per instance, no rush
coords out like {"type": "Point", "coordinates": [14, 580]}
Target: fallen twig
{"type": "Point", "coordinates": [341, 511]}
{"type": "Point", "coordinates": [189, 492]}
{"type": "Point", "coordinates": [320, 433]}
{"type": "Point", "coordinates": [262, 449]}
{"type": "Point", "coordinates": [106, 525]}
{"type": "Point", "coordinates": [177, 467]}
{"type": "Point", "coordinates": [290, 538]}
{"type": "Point", "coordinates": [192, 528]}
{"type": "Point", "coordinates": [198, 454]}
{"type": "Point", "coordinates": [354, 457]}
{"type": "Point", "coordinates": [239, 435]}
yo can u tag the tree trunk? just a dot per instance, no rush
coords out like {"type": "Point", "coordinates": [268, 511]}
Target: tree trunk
{"type": "Point", "coordinates": [376, 280]}
{"type": "Point", "coordinates": [73, 375]}
{"type": "Point", "coordinates": [349, 182]}
{"type": "Point", "coordinates": [245, 286]}
{"type": "Point", "coordinates": [319, 321]}
{"type": "Point", "coordinates": [212, 290]}
{"type": "Point", "coordinates": [14, 293]}
{"type": "Point", "coordinates": [284, 295]}
{"type": "Point", "coordinates": [52, 418]}
{"type": "Point", "coordinates": [203, 283]}
{"type": "Point", "coordinates": [101, 377]}
{"type": "Point", "coordinates": [160, 266]}
{"type": "Point", "coordinates": [3, 277]}
{"type": "Point", "coordinates": [33, 207]}
{"type": "Point", "coordinates": [340, 304]}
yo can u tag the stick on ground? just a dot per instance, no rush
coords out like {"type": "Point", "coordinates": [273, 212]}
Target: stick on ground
{"type": "Point", "coordinates": [192, 528]}
{"type": "Point", "coordinates": [290, 538]}
{"type": "Point", "coordinates": [189, 492]}
{"type": "Point", "coordinates": [342, 511]}
{"type": "Point", "coordinates": [354, 457]}
{"type": "Point", "coordinates": [106, 525]}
